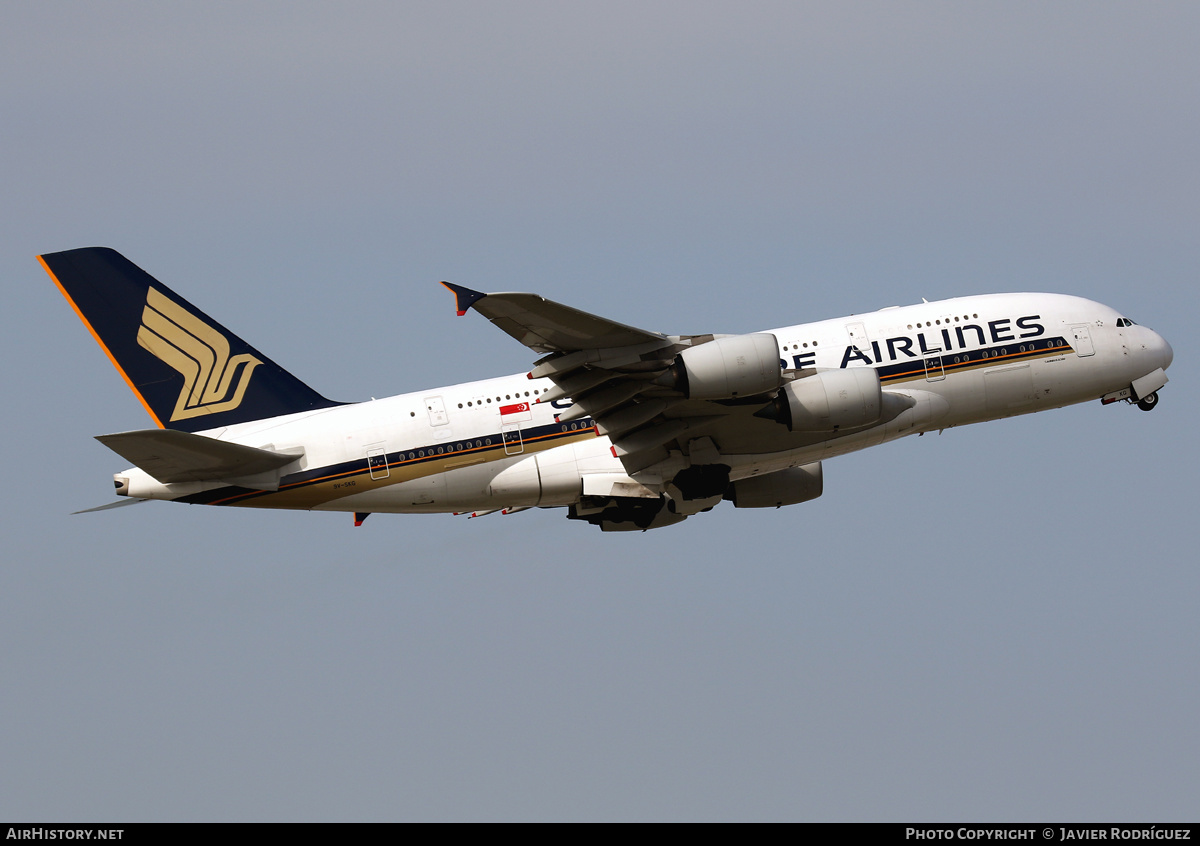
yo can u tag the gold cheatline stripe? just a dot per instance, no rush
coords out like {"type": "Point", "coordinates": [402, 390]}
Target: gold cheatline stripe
{"type": "Point", "coordinates": [432, 468]}
{"type": "Point", "coordinates": [963, 365]}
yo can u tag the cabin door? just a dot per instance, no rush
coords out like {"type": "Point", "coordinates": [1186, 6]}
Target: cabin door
{"type": "Point", "coordinates": [934, 372]}
{"type": "Point", "coordinates": [511, 435]}
{"type": "Point", "coordinates": [1082, 340]}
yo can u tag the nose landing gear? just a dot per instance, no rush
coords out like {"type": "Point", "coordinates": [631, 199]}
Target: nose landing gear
{"type": "Point", "coordinates": [1148, 402]}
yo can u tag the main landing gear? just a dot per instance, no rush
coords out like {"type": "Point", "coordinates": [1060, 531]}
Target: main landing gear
{"type": "Point", "coordinates": [1148, 402]}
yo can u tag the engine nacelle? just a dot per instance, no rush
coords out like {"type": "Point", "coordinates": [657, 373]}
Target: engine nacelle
{"type": "Point", "coordinates": [741, 366]}
{"type": "Point", "coordinates": [783, 487]}
{"type": "Point", "coordinates": [831, 400]}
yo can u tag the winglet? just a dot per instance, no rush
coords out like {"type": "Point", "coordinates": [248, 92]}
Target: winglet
{"type": "Point", "coordinates": [464, 297]}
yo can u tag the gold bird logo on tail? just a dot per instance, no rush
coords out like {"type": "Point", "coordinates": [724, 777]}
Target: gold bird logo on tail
{"type": "Point", "coordinates": [201, 353]}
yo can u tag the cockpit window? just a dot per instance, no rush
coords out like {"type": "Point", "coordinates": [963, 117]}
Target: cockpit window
{"type": "Point", "coordinates": [1125, 321]}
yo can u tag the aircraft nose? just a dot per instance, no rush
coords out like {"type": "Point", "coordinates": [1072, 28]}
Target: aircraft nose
{"type": "Point", "coordinates": [1168, 354]}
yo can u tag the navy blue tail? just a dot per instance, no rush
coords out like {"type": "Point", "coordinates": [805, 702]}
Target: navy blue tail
{"type": "Point", "coordinates": [190, 372]}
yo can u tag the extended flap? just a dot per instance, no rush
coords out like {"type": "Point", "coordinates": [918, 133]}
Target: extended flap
{"type": "Point", "coordinates": [615, 484]}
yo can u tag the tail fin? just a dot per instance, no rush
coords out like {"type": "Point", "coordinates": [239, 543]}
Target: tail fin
{"type": "Point", "coordinates": [190, 372]}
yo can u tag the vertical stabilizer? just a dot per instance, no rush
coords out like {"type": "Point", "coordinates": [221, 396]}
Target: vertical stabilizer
{"type": "Point", "coordinates": [190, 372]}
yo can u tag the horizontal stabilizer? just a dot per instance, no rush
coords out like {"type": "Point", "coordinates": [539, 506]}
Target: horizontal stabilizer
{"type": "Point", "coordinates": [120, 503]}
{"type": "Point", "coordinates": [173, 456]}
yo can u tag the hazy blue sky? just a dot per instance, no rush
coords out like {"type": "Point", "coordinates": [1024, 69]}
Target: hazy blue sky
{"type": "Point", "coordinates": [996, 623]}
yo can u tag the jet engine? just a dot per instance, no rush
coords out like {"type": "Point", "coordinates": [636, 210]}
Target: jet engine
{"type": "Point", "coordinates": [739, 366]}
{"type": "Point", "coordinates": [833, 400]}
{"type": "Point", "coordinates": [783, 487]}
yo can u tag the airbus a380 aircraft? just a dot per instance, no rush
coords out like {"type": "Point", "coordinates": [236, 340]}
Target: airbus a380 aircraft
{"type": "Point", "coordinates": [625, 428]}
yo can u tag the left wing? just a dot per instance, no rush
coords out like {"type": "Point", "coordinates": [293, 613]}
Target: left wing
{"type": "Point", "coordinates": [650, 393]}
{"type": "Point", "coordinates": [549, 327]}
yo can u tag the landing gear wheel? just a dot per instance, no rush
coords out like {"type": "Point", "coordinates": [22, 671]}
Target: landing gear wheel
{"type": "Point", "coordinates": [1148, 402]}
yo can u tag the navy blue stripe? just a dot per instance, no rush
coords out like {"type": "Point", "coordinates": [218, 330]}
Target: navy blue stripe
{"type": "Point", "coordinates": [959, 361]}
{"type": "Point", "coordinates": [423, 455]}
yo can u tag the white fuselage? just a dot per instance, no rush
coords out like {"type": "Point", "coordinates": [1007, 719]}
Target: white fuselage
{"type": "Point", "coordinates": [452, 449]}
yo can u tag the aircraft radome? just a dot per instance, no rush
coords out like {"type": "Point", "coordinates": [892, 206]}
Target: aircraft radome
{"type": "Point", "coordinates": [624, 428]}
